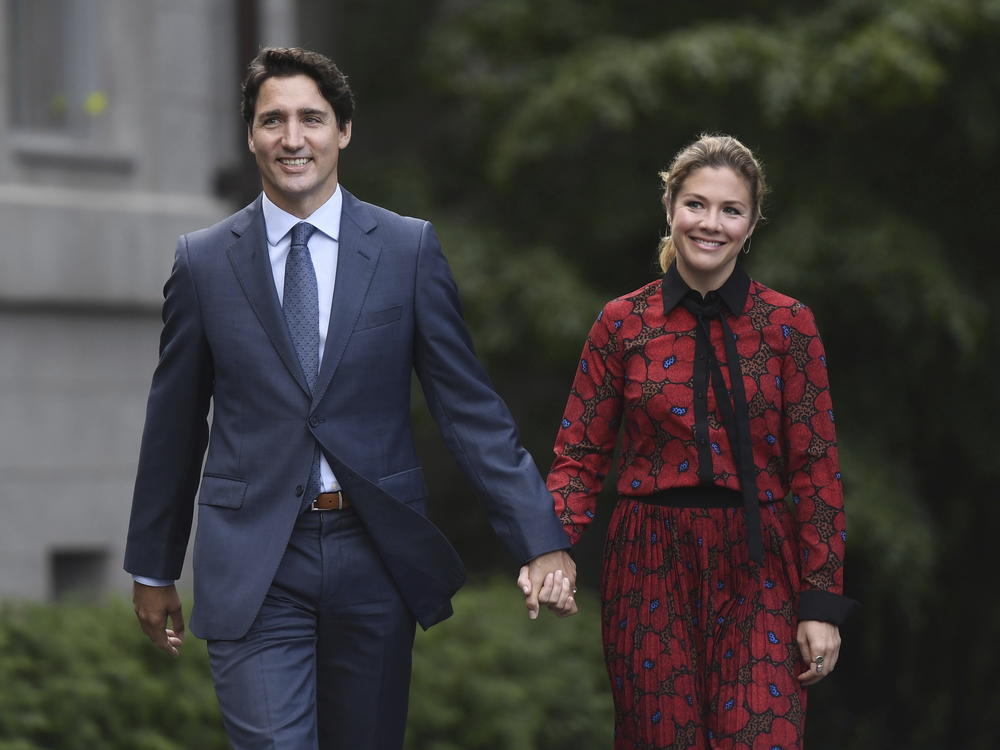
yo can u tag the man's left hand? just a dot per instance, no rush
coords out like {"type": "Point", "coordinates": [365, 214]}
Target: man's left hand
{"type": "Point", "coordinates": [549, 579]}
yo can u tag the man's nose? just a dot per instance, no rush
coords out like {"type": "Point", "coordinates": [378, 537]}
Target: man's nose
{"type": "Point", "coordinates": [292, 138]}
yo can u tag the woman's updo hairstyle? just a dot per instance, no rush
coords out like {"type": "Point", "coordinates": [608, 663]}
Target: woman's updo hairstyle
{"type": "Point", "coordinates": [711, 151]}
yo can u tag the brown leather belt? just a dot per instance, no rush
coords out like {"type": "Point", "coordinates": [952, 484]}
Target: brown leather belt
{"type": "Point", "coordinates": [331, 501]}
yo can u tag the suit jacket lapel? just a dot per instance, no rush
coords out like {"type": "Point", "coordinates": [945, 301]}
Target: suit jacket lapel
{"type": "Point", "coordinates": [357, 256]}
{"type": "Point", "coordinates": [252, 266]}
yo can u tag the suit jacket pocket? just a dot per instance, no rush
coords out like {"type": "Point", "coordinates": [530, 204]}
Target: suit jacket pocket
{"type": "Point", "coordinates": [379, 317]}
{"type": "Point", "coordinates": [224, 492]}
{"type": "Point", "coordinates": [406, 486]}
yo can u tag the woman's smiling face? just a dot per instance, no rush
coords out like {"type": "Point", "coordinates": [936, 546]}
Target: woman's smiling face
{"type": "Point", "coordinates": [710, 220]}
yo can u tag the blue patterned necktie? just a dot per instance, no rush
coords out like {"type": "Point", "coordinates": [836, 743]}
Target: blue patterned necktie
{"type": "Point", "coordinates": [301, 302]}
{"type": "Point", "coordinates": [300, 305]}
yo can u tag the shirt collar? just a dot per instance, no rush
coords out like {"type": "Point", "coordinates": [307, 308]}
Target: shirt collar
{"type": "Point", "coordinates": [326, 218]}
{"type": "Point", "coordinates": [733, 292]}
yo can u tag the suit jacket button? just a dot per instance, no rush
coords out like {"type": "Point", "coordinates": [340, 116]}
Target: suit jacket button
{"type": "Point", "coordinates": [299, 491]}
{"type": "Point", "coordinates": [314, 421]}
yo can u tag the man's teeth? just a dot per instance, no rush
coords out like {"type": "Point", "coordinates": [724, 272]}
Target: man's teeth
{"type": "Point", "coordinates": [294, 162]}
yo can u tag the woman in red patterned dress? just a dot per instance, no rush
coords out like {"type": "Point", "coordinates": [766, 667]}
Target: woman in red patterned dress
{"type": "Point", "coordinates": [720, 601]}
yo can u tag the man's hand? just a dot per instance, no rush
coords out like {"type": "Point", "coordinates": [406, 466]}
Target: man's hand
{"type": "Point", "coordinates": [819, 644]}
{"type": "Point", "coordinates": [549, 579]}
{"type": "Point", "coordinates": [153, 605]}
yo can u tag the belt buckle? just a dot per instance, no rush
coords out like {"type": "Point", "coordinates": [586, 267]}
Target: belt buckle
{"type": "Point", "coordinates": [340, 501]}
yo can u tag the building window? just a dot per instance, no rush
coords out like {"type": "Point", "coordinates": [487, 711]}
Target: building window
{"type": "Point", "coordinates": [78, 574]}
{"type": "Point", "coordinates": [58, 70]}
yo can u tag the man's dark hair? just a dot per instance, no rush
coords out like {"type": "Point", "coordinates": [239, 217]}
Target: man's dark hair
{"type": "Point", "coordinates": [282, 62]}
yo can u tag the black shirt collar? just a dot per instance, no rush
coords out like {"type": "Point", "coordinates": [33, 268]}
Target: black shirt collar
{"type": "Point", "coordinates": [733, 292]}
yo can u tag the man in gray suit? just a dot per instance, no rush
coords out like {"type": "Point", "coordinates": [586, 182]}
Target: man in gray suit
{"type": "Point", "coordinates": [298, 320]}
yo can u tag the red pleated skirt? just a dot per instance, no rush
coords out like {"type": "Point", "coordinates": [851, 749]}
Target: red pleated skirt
{"type": "Point", "coordinates": [699, 641]}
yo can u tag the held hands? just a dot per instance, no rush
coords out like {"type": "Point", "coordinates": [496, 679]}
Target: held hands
{"type": "Point", "coordinates": [153, 605]}
{"type": "Point", "coordinates": [819, 644]}
{"type": "Point", "coordinates": [549, 579]}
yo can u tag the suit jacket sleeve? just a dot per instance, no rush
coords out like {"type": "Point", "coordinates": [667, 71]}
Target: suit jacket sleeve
{"type": "Point", "coordinates": [175, 433]}
{"type": "Point", "coordinates": [475, 422]}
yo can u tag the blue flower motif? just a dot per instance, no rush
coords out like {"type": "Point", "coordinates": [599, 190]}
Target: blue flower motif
{"type": "Point", "coordinates": [588, 513]}
{"type": "Point", "coordinates": [837, 475]}
{"type": "Point", "coordinates": [652, 538]}
{"type": "Point", "coordinates": [618, 324]}
{"type": "Point", "coordinates": [779, 383]}
{"type": "Point", "coordinates": [716, 449]}
{"type": "Point", "coordinates": [773, 690]}
{"type": "Point", "coordinates": [635, 483]}
{"type": "Point", "coordinates": [680, 411]}
{"type": "Point", "coordinates": [656, 717]}
{"type": "Point", "coordinates": [729, 704]}
{"type": "Point", "coordinates": [584, 366]}
{"type": "Point", "coordinates": [683, 466]}
{"type": "Point", "coordinates": [769, 494]}
{"type": "Point", "coordinates": [669, 361]}
{"type": "Point", "coordinates": [728, 654]}
{"type": "Point", "coordinates": [623, 624]}
{"type": "Point", "coordinates": [618, 681]}
{"type": "Point", "coordinates": [633, 568]}
{"type": "Point", "coordinates": [843, 536]}
{"type": "Point", "coordinates": [720, 620]}
{"type": "Point", "coordinates": [711, 734]}
{"type": "Point", "coordinates": [600, 314]}
{"type": "Point", "coordinates": [689, 699]}
{"type": "Point", "coordinates": [771, 439]}
{"type": "Point", "coordinates": [741, 600]}
{"type": "Point", "coordinates": [785, 331]}
{"type": "Point", "coordinates": [654, 605]}
{"type": "Point", "coordinates": [565, 423]}
{"type": "Point", "coordinates": [796, 499]}
{"type": "Point", "coordinates": [719, 585]}
{"type": "Point", "coordinates": [648, 664]}
{"type": "Point", "coordinates": [771, 637]}
{"type": "Point", "coordinates": [768, 583]}
{"type": "Point", "coordinates": [701, 542]}
{"type": "Point", "coordinates": [830, 414]}
{"type": "Point", "coordinates": [822, 358]}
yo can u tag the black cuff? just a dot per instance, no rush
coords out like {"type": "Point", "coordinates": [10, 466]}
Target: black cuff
{"type": "Point", "coordinates": [825, 606]}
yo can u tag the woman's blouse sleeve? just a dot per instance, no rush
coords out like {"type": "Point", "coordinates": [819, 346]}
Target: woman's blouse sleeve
{"type": "Point", "coordinates": [814, 472]}
{"type": "Point", "coordinates": [588, 431]}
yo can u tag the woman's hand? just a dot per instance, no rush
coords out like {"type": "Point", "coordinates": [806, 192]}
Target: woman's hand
{"type": "Point", "coordinates": [819, 644]}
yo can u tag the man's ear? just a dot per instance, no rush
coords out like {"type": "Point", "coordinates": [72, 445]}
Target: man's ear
{"type": "Point", "coordinates": [250, 140]}
{"type": "Point", "coordinates": [344, 136]}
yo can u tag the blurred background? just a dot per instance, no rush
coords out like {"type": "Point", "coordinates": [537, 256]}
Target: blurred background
{"type": "Point", "coordinates": [531, 133]}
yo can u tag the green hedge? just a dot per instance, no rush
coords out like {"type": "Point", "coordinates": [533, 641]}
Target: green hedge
{"type": "Point", "coordinates": [77, 677]}
{"type": "Point", "coordinates": [491, 679]}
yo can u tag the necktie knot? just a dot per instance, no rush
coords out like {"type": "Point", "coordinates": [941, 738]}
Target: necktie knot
{"type": "Point", "coordinates": [301, 233]}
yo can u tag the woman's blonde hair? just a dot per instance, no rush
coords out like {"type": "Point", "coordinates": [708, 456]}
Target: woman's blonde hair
{"type": "Point", "coordinates": [711, 151]}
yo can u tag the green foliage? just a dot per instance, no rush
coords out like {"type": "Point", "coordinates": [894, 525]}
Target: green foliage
{"type": "Point", "coordinates": [490, 679]}
{"type": "Point", "coordinates": [78, 677]}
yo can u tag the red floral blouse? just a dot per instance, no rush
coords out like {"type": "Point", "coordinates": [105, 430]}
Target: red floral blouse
{"type": "Point", "coordinates": [638, 369]}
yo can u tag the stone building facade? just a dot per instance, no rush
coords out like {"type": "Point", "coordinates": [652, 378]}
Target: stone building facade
{"type": "Point", "coordinates": [118, 124]}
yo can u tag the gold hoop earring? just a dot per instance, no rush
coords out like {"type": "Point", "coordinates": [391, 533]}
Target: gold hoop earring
{"type": "Point", "coordinates": [746, 246]}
